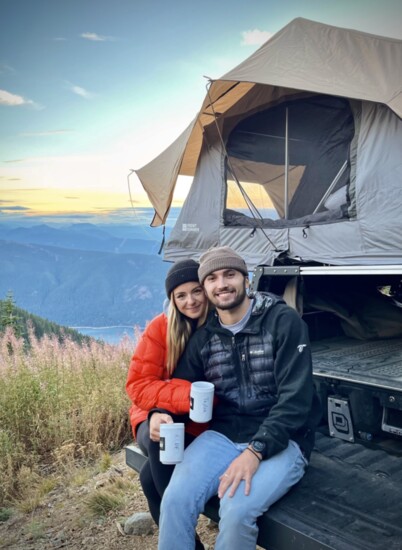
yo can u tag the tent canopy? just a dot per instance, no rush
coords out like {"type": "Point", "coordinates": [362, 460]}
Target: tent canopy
{"type": "Point", "coordinates": [303, 57]}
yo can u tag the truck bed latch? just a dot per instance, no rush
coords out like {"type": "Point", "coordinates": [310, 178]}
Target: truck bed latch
{"type": "Point", "coordinates": [339, 419]}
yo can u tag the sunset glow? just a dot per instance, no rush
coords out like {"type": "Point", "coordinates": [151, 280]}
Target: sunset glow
{"type": "Point", "coordinates": [44, 201]}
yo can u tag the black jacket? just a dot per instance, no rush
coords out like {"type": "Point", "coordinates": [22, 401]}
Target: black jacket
{"type": "Point", "coordinates": [262, 376]}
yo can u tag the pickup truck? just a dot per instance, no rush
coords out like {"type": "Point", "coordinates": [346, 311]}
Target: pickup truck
{"type": "Point", "coordinates": [351, 495]}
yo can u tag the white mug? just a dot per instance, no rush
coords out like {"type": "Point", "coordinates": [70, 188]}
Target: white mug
{"type": "Point", "coordinates": [201, 401]}
{"type": "Point", "coordinates": [171, 443]}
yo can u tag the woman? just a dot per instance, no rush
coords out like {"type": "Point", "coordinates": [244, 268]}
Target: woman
{"type": "Point", "coordinates": [149, 384]}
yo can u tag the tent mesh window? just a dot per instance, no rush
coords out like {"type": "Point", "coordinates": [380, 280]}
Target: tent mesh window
{"type": "Point", "coordinates": [289, 165]}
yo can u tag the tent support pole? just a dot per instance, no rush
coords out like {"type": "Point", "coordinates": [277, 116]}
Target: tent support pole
{"type": "Point", "coordinates": [331, 187]}
{"type": "Point", "coordinates": [286, 198]}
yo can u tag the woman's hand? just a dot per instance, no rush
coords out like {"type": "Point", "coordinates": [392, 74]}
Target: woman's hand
{"type": "Point", "coordinates": [155, 422]}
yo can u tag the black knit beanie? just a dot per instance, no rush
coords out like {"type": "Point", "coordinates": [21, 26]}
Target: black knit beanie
{"type": "Point", "coordinates": [183, 271]}
{"type": "Point", "coordinates": [220, 257]}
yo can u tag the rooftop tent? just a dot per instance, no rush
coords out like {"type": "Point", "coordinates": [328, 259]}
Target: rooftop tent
{"type": "Point", "coordinates": [295, 153]}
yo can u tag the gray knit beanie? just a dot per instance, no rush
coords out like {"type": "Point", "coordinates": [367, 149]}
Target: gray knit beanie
{"type": "Point", "coordinates": [220, 257]}
{"type": "Point", "coordinates": [183, 271]}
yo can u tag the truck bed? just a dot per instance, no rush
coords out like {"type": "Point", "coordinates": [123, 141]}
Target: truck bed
{"type": "Point", "coordinates": [349, 499]}
{"type": "Point", "coordinates": [375, 363]}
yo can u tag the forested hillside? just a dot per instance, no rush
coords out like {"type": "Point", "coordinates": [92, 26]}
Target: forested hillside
{"type": "Point", "coordinates": [21, 321]}
{"type": "Point", "coordinates": [83, 287]}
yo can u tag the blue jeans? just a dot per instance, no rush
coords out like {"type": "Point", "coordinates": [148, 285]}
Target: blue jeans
{"type": "Point", "coordinates": [196, 480]}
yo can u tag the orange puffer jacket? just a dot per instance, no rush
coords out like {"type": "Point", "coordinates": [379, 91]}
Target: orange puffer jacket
{"type": "Point", "coordinates": [148, 383]}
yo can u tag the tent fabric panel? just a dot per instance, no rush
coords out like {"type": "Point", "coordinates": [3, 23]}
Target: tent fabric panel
{"type": "Point", "coordinates": [270, 179]}
{"type": "Point", "coordinates": [159, 176]}
{"type": "Point", "coordinates": [193, 148]}
{"type": "Point", "coordinates": [221, 97]}
{"type": "Point", "coordinates": [307, 55]}
{"type": "Point", "coordinates": [379, 179]}
{"type": "Point", "coordinates": [338, 244]}
{"type": "Point", "coordinates": [396, 104]}
{"type": "Point", "coordinates": [253, 244]}
{"type": "Point", "coordinates": [197, 226]}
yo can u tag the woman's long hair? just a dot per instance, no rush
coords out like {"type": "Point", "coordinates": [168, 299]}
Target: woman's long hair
{"type": "Point", "coordinates": [179, 330]}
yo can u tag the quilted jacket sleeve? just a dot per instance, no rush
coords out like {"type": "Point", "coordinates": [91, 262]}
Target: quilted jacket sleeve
{"type": "Point", "coordinates": [148, 385]}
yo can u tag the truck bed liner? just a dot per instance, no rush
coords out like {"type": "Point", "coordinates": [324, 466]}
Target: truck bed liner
{"type": "Point", "coordinates": [376, 363]}
{"type": "Point", "coordinates": [349, 499]}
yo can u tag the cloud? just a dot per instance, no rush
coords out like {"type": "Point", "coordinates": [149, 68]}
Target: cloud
{"type": "Point", "coordinates": [82, 92]}
{"type": "Point", "coordinates": [255, 37]}
{"type": "Point", "coordinates": [7, 208]}
{"type": "Point", "coordinates": [13, 100]}
{"type": "Point", "coordinates": [24, 189]}
{"type": "Point", "coordinates": [94, 37]}
{"type": "Point", "coordinates": [45, 133]}
{"type": "Point", "coordinates": [13, 161]}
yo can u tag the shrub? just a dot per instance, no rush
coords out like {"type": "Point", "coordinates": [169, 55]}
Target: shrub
{"type": "Point", "coordinates": [59, 401]}
{"type": "Point", "coordinates": [100, 503]}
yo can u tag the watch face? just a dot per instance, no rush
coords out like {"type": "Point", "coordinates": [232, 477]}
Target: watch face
{"type": "Point", "coordinates": [258, 446]}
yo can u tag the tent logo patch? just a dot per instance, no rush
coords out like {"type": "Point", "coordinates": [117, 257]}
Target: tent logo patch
{"type": "Point", "coordinates": [190, 227]}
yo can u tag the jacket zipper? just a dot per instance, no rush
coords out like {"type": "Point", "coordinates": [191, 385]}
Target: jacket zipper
{"type": "Point", "coordinates": [241, 360]}
{"type": "Point", "coordinates": [246, 373]}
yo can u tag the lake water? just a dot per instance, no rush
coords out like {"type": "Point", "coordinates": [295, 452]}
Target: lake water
{"type": "Point", "coordinates": [111, 335]}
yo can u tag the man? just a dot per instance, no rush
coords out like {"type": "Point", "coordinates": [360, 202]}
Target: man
{"type": "Point", "coordinates": [255, 350]}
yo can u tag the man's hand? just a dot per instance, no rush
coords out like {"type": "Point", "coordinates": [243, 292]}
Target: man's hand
{"type": "Point", "coordinates": [155, 422]}
{"type": "Point", "coordinates": [242, 468]}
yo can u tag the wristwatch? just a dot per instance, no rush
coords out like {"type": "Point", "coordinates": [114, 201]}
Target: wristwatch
{"type": "Point", "coordinates": [258, 446]}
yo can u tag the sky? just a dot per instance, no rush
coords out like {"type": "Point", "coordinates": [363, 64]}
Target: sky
{"type": "Point", "coordinates": [93, 89]}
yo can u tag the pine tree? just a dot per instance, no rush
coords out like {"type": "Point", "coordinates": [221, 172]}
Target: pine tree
{"type": "Point", "coordinates": [8, 315]}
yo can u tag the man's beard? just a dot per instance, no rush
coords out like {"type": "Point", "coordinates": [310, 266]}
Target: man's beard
{"type": "Point", "coordinates": [238, 300]}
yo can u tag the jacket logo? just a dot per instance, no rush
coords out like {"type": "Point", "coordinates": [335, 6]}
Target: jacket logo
{"type": "Point", "coordinates": [300, 347]}
{"type": "Point", "coordinates": [257, 352]}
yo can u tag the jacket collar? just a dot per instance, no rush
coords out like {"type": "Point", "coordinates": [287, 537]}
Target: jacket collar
{"type": "Point", "coordinates": [262, 303]}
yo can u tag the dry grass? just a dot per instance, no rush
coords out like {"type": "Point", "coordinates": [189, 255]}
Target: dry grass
{"type": "Point", "coordinates": [60, 404]}
{"type": "Point", "coordinates": [64, 520]}
{"type": "Point", "coordinates": [100, 503]}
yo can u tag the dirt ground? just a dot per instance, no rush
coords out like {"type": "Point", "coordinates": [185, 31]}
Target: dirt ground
{"type": "Point", "coordinates": [64, 520]}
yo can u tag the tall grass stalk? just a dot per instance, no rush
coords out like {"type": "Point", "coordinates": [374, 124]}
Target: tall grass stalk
{"type": "Point", "coordinates": [59, 401]}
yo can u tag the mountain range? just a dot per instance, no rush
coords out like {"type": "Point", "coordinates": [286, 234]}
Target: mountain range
{"type": "Point", "coordinates": [84, 236]}
{"type": "Point", "coordinates": [83, 274]}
